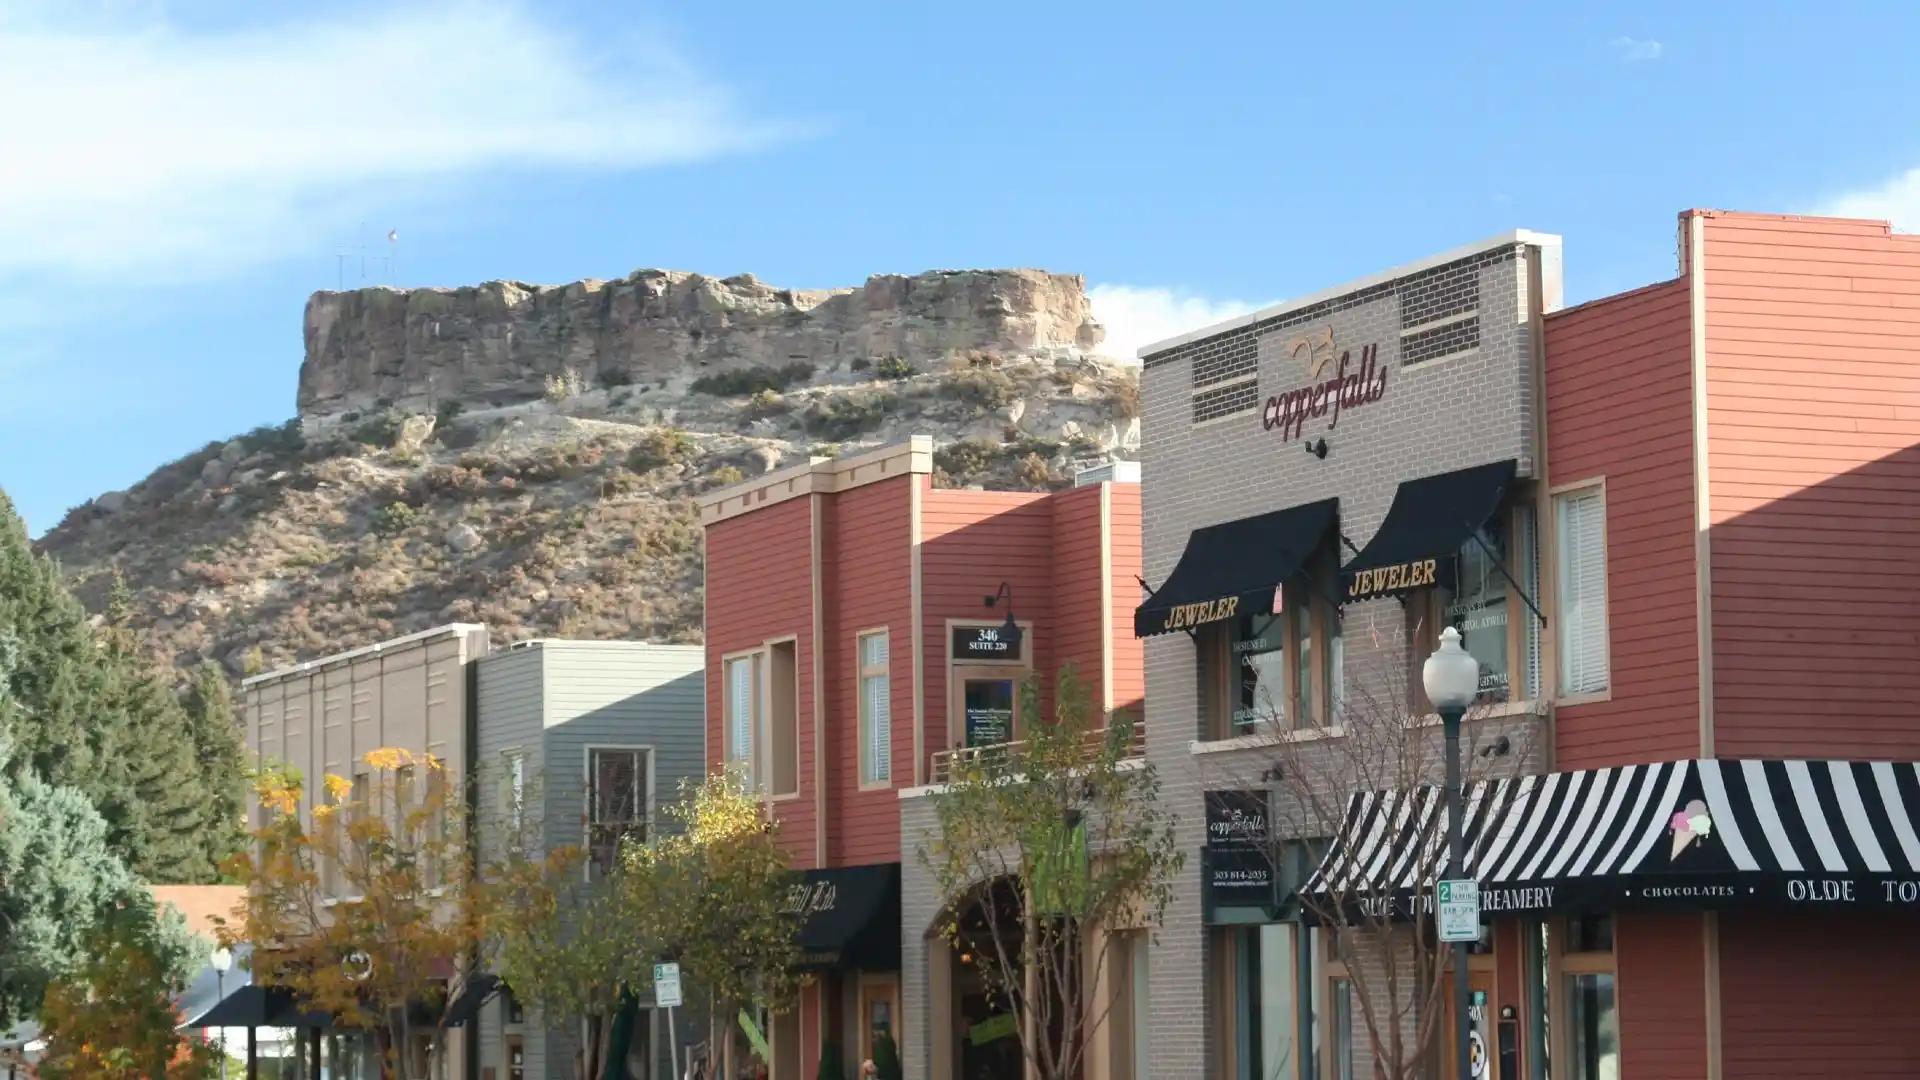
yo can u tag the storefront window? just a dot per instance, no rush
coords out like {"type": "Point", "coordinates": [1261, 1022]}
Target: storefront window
{"type": "Point", "coordinates": [1260, 668]}
{"type": "Point", "coordinates": [1478, 609]}
{"type": "Point", "coordinates": [1267, 1018]}
{"type": "Point", "coordinates": [1595, 1027]}
{"type": "Point", "coordinates": [1592, 1016]}
{"type": "Point", "coordinates": [1340, 1038]}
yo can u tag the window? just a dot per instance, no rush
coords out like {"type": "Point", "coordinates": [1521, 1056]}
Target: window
{"type": "Point", "coordinates": [1581, 576]}
{"type": "Point", "coordinates": [783, 718]}
{"type": "Point", "coordinates": [1593, 1017]}
{"type": "Point", "coordinates": [1282, 670]}
{"type": "Point", "coordinates": [617, 797]}
{"type": "Point", "coordinates": [1478, 609]}
{"type": "Point", "coordinates": [1340, 1037]}
{"type": "Point", "coordinates": [742, 678]}
{"type": "Point", "coordinates": [1271, 1015]}
{"type": "Point", "coordinates": [513, 793]}
{"type": "Point", "coordinates": [876, 710]}
{"type": "Point", "coordinates": [762, 690]}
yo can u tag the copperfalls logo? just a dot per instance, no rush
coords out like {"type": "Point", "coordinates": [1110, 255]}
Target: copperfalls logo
{"type": "Point", "coordinates": [1349, 385]}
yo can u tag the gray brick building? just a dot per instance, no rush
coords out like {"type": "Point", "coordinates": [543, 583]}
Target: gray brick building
{"type": "Point", "coordinates": [1344, 395]}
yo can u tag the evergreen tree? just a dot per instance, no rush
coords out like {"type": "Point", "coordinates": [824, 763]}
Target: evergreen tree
{"type": "Point", "coordinates": [58, 876]}
{"type": "Point", "coordinates": [222, 758]}
{"type": "Point", "coordinates": [97, 718]}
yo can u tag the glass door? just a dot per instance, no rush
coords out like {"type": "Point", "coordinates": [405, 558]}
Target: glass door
{"type": "Point", "coordinates": [987, 709]}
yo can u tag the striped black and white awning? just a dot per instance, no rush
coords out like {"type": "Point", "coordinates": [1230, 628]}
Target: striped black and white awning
{"type": "Point", "coordinates": [1686, 834]}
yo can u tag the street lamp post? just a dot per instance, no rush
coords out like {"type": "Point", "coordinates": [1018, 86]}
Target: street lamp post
{"type": "Point", "coordinates": [1451, 677]}
{"type": "Point", "coordinates": [222, 959]}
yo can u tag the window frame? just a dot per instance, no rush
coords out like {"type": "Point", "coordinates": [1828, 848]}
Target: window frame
{"type": "Point", "coordinates": [1551, 561]}
{"type": "Point", "coordinates": [759, 760]}
{"type": "Point", "coordinates": [1219, 671]}
{"type": "Point", "coordinates": [871, 987]}
{"type": "Point", "coordinates": [1560, 965]}
{"type": "Point", "coordinates": [959, 671]}
{"type": "Point", "coordinates": [1430, 604]}
{"type": "Point", "coordinates": [588, 804]}
{"type": "Point", "coordinates": [862, 671]}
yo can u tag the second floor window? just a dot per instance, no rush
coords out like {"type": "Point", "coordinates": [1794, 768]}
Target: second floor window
{"type": "Point", "coordinates": [617, 802]}
{"type": "Point", "coordinates": [1580, 583]}
{"type": "Point", "coordinates": [1280, 671]}
{"type": "Point", "coordinates": [876, 710]}
{"type": "Point", "coordinates": [761, 691]}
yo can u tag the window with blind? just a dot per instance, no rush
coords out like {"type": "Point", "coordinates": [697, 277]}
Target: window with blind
{"type": "Point", "coordinates": [742, 683]}
{"type": "Point", "coordinates": [1581, 522]}
{"type": "Point", "coordinates": [876, 710]}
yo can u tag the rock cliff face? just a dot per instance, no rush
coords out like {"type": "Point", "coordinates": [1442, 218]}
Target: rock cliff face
{"type": "Point", "coordinates": [504, 342]}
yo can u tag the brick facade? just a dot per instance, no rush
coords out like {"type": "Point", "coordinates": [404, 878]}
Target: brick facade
{"type": "Point", "coordinates": [1456, 336]}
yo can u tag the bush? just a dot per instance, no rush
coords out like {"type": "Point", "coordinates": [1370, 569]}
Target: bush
{"type": "Point", "coordinates": [725, 476]}
{"type": "Point", "coordinates": [1034, 472]}
{"type": "Point", "coordinates": [1125, 399]}
{"type": "Point", "coordinates": [886, 1057]}
{"type": "Point", "coordinates": [278, 439]}
{"type": "Point", "coordinates": [893, 367]}
{"type": "Point", "coordinates": [831, 1065]}
{"type": "Point", "coordinates": [966, 457]}
{"type": "Point", "coordinates": [447, 410]}
{"type": "Point", "coordinates": [752, 379]}
{"type": "Point", "coordinates": [765, 403]}
{"type": "Point", "coordinates": [659, 447]}
{"type": "Point", "coordinates": [984, 388]}
{"type": "Point", "coordinates": [381, 429]}
{"type": "Point", "coordinates": [860, 363]}
{"type": "Point", "coordinates": [564, 385]}
{"type": "Point", "coordinates": [843, 418]}
{"type": "Point", "coordinates": [395, 517]}
{"type": "Point", "coordinates": [613, 378]}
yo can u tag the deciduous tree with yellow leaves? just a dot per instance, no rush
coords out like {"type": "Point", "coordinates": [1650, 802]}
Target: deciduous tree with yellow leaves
{"type": "Point", "coordinates": [365, 905]}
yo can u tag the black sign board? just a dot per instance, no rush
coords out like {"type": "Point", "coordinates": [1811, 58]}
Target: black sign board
{"type": "Point", "coordinates": [989, 711]}
{"type": "Point", "coordinates": [1237, 861]}
{"type": "Point", "coordinates": [986, 643]}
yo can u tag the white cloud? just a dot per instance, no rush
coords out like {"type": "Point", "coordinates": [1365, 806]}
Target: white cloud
{"type": "Point", "coordinates": [1637, 50]}
{"type": "Point", "coordinates": [1137, 315]}
{"type": "Point", "coordinates": [132, 145]}
{"type": "Point", "coordinates": [1896, 200]}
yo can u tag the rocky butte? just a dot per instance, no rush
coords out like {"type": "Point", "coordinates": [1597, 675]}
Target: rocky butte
{"type": "Point", "coordinates": [504, 342]}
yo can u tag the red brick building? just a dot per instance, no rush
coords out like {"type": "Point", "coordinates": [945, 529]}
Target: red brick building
{"type": "Point", "coordinates": [853, 639]}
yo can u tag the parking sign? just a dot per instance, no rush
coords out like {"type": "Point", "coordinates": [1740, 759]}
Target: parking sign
{"type": "Point", "coordinates": [1456, 904]}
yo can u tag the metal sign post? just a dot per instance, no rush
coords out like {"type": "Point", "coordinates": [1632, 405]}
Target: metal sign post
{"type": "Point", "coordinates": [666, 994]}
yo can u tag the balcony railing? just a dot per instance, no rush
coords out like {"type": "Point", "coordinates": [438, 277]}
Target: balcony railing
{"type": "Point", "coordinates": [943, 761]}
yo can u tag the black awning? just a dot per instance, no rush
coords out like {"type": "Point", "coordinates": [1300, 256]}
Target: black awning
{"type": "Point", "coordinates": [1678, 834]}
{"type": "Point", "coordinates": [260, 1006]}
{"type": "Point", "coordinates": [479, 989]}
{"type": "Point", "coordinates": [1231, 569]}
{"type": "Point", "coordinates": [849, 917]}
{"type": "Point", "coordinates": [1429, 521]}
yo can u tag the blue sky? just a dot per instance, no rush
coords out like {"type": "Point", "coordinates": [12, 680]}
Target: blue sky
{"type": "Point", "coordinates": [176, 178]}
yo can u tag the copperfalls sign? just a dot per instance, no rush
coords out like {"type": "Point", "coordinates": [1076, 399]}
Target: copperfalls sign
{"type": "Point", "coordinates": [1348, 383]}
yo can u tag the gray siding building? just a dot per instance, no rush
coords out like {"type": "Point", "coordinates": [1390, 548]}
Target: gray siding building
{"type": "Point", "coordinates": [1325, 409]}
{"type": "Point", "coordinates": [596, 735]}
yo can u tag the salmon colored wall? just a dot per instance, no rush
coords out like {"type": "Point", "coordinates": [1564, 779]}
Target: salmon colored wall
{"type": "Point", "coordinates": [868, 584]}
{"type": "Point", "coordinates": [1077, 589]}
{"type": "Point", "coordinates": [760, 586]}
{"type": "Point", "coordinates": [1129, 652]}
{"type": "Point", "coordinates": [971, 541]}
{"type": "Point", "coordinates": [1619, 406]}
{"type": "Point", "coordinates": [1660, 987]}
{"type": "Point", "coordinates": [1813, 422]}
{"type": "Point", "coordinates": [1811, 995]}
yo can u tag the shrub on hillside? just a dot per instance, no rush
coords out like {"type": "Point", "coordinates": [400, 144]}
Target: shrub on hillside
{"type": "Point", "coordinates": [748, 380]}
{"type": "Point", "coordinates": [893, 367]}
{"type": "Point", "coordinates": [659, 447]}
{"type": "Point", "coordinates": [765, 403]}
{"type": "Point", "coordinates": [380, 429]}
{"type": "Point", "coordinates": [965, 458]}
{"type": "Point", "coordinates": [982, 387]}
{"type": "Point", "coordinates": [851, 415]}
{"type": "Point", "coordinates": [394, 518]}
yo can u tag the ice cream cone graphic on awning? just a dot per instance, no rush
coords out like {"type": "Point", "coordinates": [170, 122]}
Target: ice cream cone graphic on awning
{"type": "Point", "coordinates": [1688, 825]}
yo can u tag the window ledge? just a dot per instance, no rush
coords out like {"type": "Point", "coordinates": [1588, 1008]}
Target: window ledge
{"type": "Point", "coordinates": [1487, 712]}
{"type": "Point", "coordinates": [1249, 742]}
{"type": "Point", "coordinates": [1595, 698]}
